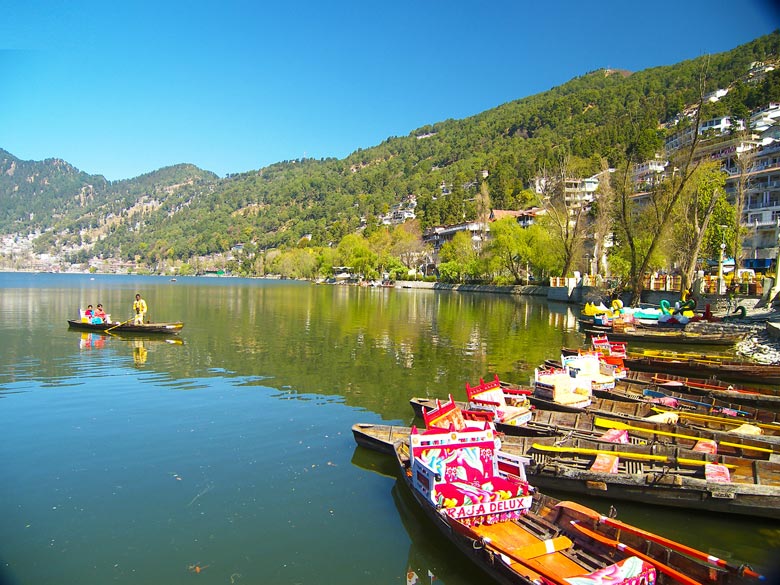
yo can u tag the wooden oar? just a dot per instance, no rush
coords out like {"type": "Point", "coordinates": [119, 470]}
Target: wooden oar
{"type": "Point", "coordinates": [118, 324]}
{"type": "Point", "coordinates": [616, 424]}
{"type": "Point", "coordinates": [672, 544]}
{"type": "Point", "coordinates": [681, 355]}
{"type": "Point", "coordinates": [624, 455]}
{"type": "Point", "coordinates": [666, 569]}
{"type": "Point", "coordinates": [718, 419]}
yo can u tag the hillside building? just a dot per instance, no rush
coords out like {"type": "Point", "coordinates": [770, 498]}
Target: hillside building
{"type": "Point", "coordinates": [758, 151]}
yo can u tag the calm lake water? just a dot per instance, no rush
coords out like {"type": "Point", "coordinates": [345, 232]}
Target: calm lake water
{"type": "Point", "coordinates": [228, 457]}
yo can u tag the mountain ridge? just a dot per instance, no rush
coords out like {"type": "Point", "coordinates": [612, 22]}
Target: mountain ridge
{"type": "Point", "coordinates": [181, 211]}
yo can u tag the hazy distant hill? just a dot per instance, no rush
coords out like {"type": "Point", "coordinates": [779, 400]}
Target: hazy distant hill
{"type": "Point", "coordinates": [181, 211]}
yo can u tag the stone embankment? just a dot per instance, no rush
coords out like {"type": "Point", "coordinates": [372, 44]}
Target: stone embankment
{"type": "Point", "coordinates": [762, 327]}
{"type": "Point", "coordinates": [760, 343]}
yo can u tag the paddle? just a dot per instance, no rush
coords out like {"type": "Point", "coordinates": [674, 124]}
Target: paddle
{"type": "Point", "coordinates": [718, 419]}
{"type": "Point", "coordinates": [615, 424]}
{"type": "Point", "coordinates": [681, 548]}
{"type": "Point", "coordinates": [666, 569]}
{"type": "Point", "coordinates": [624, 455]}
{"type": "Point", "coordinates": [118, 324]}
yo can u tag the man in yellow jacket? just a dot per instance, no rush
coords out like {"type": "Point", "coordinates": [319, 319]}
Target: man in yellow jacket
{"type": "Point", "coordinates": [139, 308]}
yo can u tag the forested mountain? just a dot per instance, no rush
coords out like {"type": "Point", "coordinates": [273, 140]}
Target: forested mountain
{"type": "Point", "coordinates": [182, 211]}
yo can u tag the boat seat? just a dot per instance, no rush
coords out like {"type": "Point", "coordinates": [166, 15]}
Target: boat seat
{"type": "Point", "coordinates": [444, 416]}
{"type": "Point", "coordinates": [490, 396]}
{"type": "Point", "coordinates": [543, 547]}
{"type": "Point", "coordinates": [458, 472]}
{"type": "Point", "coordinates": [631, 569]}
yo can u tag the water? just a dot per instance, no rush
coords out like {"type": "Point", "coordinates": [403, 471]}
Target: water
{"type": "Point", "coordinates": [228, 457]}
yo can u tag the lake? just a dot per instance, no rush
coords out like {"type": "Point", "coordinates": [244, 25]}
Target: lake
{"type": "Point", "coordinates": [226, 455]}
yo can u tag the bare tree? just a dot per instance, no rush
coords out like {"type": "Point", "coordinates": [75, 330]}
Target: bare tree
{"type": "Point", "coordinates": [483, 207]}
{"type": "Point", "coordinates": [642, 228]}
{"type": "Point", "coordinates": [601, 218]}
{"type": "Point", "coordinates": [697, 205]}
{"type": "Point", "coordinates": [743, 161]}
{"type": "Point", "coordinates": [565, 216]}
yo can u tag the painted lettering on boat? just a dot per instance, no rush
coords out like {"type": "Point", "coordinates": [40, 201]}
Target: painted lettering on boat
{"type": "Point", "coordinates": [482, 509]}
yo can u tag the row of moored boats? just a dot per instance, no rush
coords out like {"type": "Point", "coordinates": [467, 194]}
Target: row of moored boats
{"type": "Point", "coordinates": [589, 425]}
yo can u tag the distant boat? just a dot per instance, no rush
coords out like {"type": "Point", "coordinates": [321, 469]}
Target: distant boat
{"type": "Point", "coordinates": [164, 328]}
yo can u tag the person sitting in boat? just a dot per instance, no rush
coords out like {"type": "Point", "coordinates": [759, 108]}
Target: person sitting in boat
{"type": "Point", "coordinates": [89, 313]}
{"type": "Point", "coordinates": [99, 316]}
{"type": "Point", "coordinates": [139, 308]}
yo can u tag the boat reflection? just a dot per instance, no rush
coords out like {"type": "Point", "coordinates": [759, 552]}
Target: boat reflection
{"type": "Point", "coordinates": [140, 345]}
{"type": "Point", "coordinates": [430, 558]}
{"type": "Point", "coordinates": [92, 341]}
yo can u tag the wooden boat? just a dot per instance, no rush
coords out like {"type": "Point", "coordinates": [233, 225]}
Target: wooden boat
{"type": "Point", "coordinates": [723, 369]}
{"type": "Point", "coordinates": [660, 474]}
{"type": "Point", "coordinates": [509, 406]}
{"type": "Point", "coordinates": [756, 397]}
{"type": "Point", "coordinates": [165, 328]}
{"type": "Point", "coordinates": [517, 535]}
{"type": "Point", "coordinates": [604, 428]}
{"type": "Point", "coordinates": [708, 396]}
{"type": "Point", "coordinates": [378, 437]}
{"type": "Point", "coordinates": [668, 336]}
{"type": "Point", "coordinates": [674, 396]}
{"type": "Point", "coordinates": [594, 422]}
{"type": "Point", "coordinates": [769, 432]}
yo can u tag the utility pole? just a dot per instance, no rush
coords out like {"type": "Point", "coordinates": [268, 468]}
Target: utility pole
{"type": "Point", "coordinates": [720, 268]}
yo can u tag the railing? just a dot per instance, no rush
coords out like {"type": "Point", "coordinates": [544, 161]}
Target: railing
{"type": "Point", "coordinates": [662, 282]}
{"type": "Point", "coordinates": [560, 281]}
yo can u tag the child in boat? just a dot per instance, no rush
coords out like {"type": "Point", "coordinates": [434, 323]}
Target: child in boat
{"type": "Point", "coordinates": [99, 316]}
{"type": "Point", "coordinates": [88, 314]}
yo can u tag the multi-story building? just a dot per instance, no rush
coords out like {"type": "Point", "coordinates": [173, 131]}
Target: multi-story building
{"type": "Point", "coordinates": [761, 217]}
{"type": "Point", "coordinates": [752, 161]}
{"type": "Point", "coordinates": [439, 235]}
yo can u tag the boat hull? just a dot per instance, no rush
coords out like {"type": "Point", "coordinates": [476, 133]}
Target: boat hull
{"type": "Point", "coordinates": [669, 336]}
{"type": "Point", "coordinates": [731, 371]}
{"type": "Point", "coordinates": [648, 482]}
{"type": "Point", "coordinates": [548, 520]}
{"type": "Point", "coordinates": [157, 328]}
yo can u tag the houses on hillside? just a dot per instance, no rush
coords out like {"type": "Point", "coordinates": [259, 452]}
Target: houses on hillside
{"type": "Point", "coordinates": [749, 156]}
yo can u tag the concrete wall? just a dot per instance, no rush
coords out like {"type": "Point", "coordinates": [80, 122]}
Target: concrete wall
{"type": "Point", "coordinates": [533, 290]}
{"type": "Point", "coordinates": [580, 294]}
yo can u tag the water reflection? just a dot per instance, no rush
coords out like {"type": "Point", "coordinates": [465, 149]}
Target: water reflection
{"type": "Point", "coordinates": [138, 344]}
{"type": "Point", "coordinates": [431, 558]}
{"type": "Point", "coordinates": [256, 400]}
{"type": "Point", "coordinates": [92, 341]}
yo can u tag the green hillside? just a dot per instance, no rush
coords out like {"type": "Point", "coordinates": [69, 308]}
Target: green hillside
{"type": "Point", "coordinates": [182, 211]}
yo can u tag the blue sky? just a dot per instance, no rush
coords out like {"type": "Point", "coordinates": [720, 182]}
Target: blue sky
{"type": "Point", "coordinates": [235, 85]}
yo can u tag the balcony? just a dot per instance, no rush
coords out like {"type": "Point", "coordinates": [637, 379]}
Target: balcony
{"type": "Point", "coordinates": [762, 204]}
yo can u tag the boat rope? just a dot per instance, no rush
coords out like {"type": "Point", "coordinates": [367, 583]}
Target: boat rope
{"type": "Point", "coordinates": [564, 438]}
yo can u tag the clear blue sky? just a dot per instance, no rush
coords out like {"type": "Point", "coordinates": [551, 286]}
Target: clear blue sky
{"type": "Point", "coordinates": [124, 88]}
